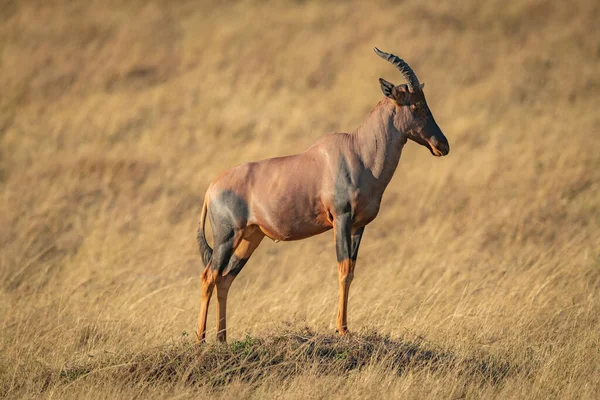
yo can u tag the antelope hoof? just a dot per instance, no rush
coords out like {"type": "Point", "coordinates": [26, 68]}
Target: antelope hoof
{"type": "Point", "coordinates": [221, 338]}
{"type": "Point", "coordinates": [342, 331]}
{"type": "Point", "coordinates": [199, 340]}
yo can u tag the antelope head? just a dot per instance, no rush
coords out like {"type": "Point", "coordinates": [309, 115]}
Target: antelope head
{"type": "Point", "coordinates": [412, 115]}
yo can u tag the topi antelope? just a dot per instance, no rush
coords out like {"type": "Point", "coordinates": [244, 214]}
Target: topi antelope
{"type": "Point", "coordinates": [337, 183]}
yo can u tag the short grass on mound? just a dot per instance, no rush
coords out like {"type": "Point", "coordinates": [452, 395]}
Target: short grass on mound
{"type": "Point", "coordinates": [282, 355]}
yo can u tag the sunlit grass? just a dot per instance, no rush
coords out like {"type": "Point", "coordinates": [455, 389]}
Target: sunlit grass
{"type": "Point", "coordinates": [479, 278]}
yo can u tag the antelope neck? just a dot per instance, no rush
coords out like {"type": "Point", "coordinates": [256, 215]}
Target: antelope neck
{"type": "Point", "coordinates": [378, 143]}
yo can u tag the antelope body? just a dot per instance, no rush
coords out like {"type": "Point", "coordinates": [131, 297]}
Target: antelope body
{"type": "Point", "coordinates": [337, 183]}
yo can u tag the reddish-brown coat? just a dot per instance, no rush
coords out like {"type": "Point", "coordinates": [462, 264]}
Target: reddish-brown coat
{"type": "Point", "coordinates": [337, 183]}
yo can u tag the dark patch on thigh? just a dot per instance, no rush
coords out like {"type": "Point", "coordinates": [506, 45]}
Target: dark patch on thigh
{"type": "Point", "coordinates": [235, 204]}
{"type": "Point", "coordinates": [228, 213]}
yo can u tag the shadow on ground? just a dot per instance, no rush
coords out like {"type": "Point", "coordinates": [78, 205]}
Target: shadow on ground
{"type": "Point", "coordinates": [284, 355]}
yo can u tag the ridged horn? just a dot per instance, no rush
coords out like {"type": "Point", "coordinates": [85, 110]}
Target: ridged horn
{"type": "Point", "coordinates": [406, 71]}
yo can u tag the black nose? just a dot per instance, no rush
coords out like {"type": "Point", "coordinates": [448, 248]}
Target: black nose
{"type": "Point", "coordinates": [441, 143]}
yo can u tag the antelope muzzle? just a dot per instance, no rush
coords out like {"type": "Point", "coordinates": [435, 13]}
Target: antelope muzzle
{"type": "Point", "coordinates": [438, 145]}
{"type": "Point", "coordinates": [437, 142]}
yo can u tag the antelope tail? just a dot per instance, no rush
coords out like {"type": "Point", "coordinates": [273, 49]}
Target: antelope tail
{"type": "Point", "coordinates": [205, 250]}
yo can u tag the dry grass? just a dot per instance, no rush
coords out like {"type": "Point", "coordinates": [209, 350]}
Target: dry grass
{"type": "Point", "coordinates": [480, 277]}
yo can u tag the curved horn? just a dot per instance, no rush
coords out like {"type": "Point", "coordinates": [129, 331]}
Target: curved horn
{"type": "Point", "coordinates": [403, 67]}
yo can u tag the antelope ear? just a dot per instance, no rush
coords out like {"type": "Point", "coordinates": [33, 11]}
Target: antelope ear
{"type": "Point", "coordinates": [388, 88]}
{"type": "Point", "coordinates": [393, 92]}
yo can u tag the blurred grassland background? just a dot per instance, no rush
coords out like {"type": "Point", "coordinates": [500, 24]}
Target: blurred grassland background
{"type": "Point", "coordinates": [479, 278]}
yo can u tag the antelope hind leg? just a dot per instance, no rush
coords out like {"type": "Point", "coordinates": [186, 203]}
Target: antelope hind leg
{"type": "Point", "coordinates": [237, 261]}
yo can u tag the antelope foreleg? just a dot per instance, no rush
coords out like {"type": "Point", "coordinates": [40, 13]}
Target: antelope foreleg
{"type": "Point", "coordinates": [346, 274]}
{"type": "Point", "coordinates": [347, 243]}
